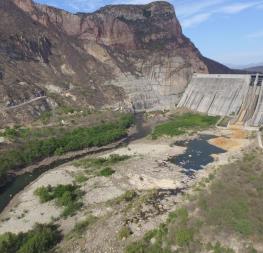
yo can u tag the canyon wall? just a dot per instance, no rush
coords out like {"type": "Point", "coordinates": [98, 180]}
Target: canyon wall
{"type": "Point", "coordinates": [124, 57]}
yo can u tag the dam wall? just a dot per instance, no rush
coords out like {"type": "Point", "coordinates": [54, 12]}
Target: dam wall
{"type": "Point", "coordinates": [239, 97]}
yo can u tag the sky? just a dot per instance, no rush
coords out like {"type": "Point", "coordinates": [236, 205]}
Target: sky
{"type": "Point", "coordinates": [228, 31]}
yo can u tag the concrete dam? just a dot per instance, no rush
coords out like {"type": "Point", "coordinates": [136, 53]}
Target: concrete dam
{"type": "Point", "coordinates": [239, 97]}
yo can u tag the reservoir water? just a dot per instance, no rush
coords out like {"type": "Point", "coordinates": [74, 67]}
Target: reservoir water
{"type": "Point", "coordinates": [198, 154]}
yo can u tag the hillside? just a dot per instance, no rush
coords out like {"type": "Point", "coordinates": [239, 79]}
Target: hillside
{"type": "Point", "coordinates": [124, 57]}
{"type": "Point", "coordinates": [257, 69]}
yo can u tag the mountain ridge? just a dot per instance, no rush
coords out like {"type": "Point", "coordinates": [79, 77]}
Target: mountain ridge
{"type": "Point", "coordinates": [255, 69]}
{"type": "Point", "coordinates": [124, 57]}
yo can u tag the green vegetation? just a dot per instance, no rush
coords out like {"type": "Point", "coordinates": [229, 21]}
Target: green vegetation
{"type": "Point", "coordinates": [158, 236]}
{"type": "Point", "coordinates": [224, 121]}
{"type": "Point", "coordinates": [218, 248]}
{"type": "Point", "coordinates": [22, 134]}
{"type": "Point", "coordinates": [241, 188]}
{"type": "Point", "coordinates": [124, 232]}
{"type": "Point", "coordinates": [45, 117]}
{"type": "Point", "coordinates": [101, 166]}
{"type": "Point", "coordinates": [101, 161]}
{"type": "Point", "coordinates": [106, 172]}
{"type": "Point", "coordinates": [35, 149]}
{"type": "Point", "coordinates": [232, 204]}
{"type": "Point", "coordinates": [41, 239]}
{"type": "Point", "coordinates": [80, 178]}
{"type": "Point", "coordinates": [182, 123]}
{"type": "Point", "coordinates": [126, 197]}
{"type": "Point", "coordinates": [82, 226]}
{"type": "Point", "coordinates": [62, 111]}
{"type": "Point", "coordinates": [67, 196]}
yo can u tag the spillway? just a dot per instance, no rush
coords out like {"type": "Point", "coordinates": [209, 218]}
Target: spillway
{"type": "Point", "coordinates": [239, 97]}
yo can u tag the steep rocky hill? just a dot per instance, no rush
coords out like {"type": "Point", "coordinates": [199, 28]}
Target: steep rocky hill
{"type": "Point", "coordinates": [119, 57]}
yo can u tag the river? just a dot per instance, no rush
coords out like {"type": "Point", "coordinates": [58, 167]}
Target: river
{"type": "Point", "coordinates": [21, 181]}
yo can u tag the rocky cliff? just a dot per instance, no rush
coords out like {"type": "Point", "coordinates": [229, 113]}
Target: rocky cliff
{"type": "Point", "coordinates": [132, 57]}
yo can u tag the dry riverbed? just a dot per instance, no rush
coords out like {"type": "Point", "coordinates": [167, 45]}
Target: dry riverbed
{"type": "Point", "coordinates": [159, 185]}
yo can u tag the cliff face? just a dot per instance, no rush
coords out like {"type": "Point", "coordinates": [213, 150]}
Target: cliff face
{"type": "Point", "coordinates": [120, 57]}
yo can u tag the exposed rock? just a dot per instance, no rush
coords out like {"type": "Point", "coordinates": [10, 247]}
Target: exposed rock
{"type": "Point", "coordinates": [133, 57]}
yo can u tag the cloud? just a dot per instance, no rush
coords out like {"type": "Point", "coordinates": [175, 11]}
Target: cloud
{"type": "Point", "coordinates": [260, 7]}
{"type": "Point", "coordinates": [193, 13]}
{"type": "Point", "coordinates": [196, 20]}
{"type": "Point", "coordinates": [132, 2]}
{"type": "Point", "coordinates": [190, 7]}
{"type": "Point", "coordinates": [75, 5]}
{"type": "Point", "coordinates": [190, 12]}
{"type": "Point", "coordinates": [84, 5]}
{"type": "Point", "coordinates": [256, 35]}
{"type": "Point", "coordinates": [236, 8]}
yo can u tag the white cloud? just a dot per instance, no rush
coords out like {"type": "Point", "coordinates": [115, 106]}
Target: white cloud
{"type": "Point", "coordinates": [189, 8]}
{"type": "Point", "coordinates": [193, 13]}
{"type": "Point", "coordinates": [236, 8]}
{"type": "Point", "coordinates": [196, 20]}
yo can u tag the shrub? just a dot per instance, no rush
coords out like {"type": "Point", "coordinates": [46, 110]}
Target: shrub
{"type": "Point", "coordinates": [106, 172]}
{"type": "Point", "coordinates": [180, 124]}
{"type": "Point", "coordinates": [65, 195]}
{"type": "Point", "coordinates": [217, 248]}
{"type": "Point", "coordinates": [80, 178]}
{"type": "Point", "coordinates": [40, 239]}
{"type": "Point", "coordinates": [101, 161]}
{"type": "Point", "coordinates": [82, 226]}
{"type": "Point", "coordinates": [79, 138]}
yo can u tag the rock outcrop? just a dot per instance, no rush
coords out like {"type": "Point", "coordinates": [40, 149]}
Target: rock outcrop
{"type": "Point", "coordinates": [130, 57]}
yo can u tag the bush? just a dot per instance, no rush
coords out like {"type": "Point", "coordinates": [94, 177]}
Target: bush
{"type": "Point", "coordinates": [65, 195]}
{"type": "Point", "coordinates": [180, 124]}
{"type": "Point", "coordinates": [79, 138]}
{"type": "Point", "coordinates": [80, 178]}
{"type": "Point", "coordinates": [101, 161]}
{"type": "Point", "coordinates": [39, 240]}
{"type": "Point", "coordinates": [106, 172]}
{"type": "Point", "coordinates": [82, 226]}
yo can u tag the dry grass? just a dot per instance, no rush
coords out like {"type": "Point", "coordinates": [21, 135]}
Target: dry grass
{"type": "Point", "coordinates": [229, 204]}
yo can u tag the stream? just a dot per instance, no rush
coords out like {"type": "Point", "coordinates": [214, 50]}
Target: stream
{"type": "Point", "coordinates": [21, 181]}
{"type": "Point", "coordinates": [198, 154]}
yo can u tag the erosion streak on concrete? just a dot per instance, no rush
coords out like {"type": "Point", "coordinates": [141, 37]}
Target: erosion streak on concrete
{"type": "Point", "coordinates": [237, 96]}
{"type": "Point", "coordinates": [216, 94]}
